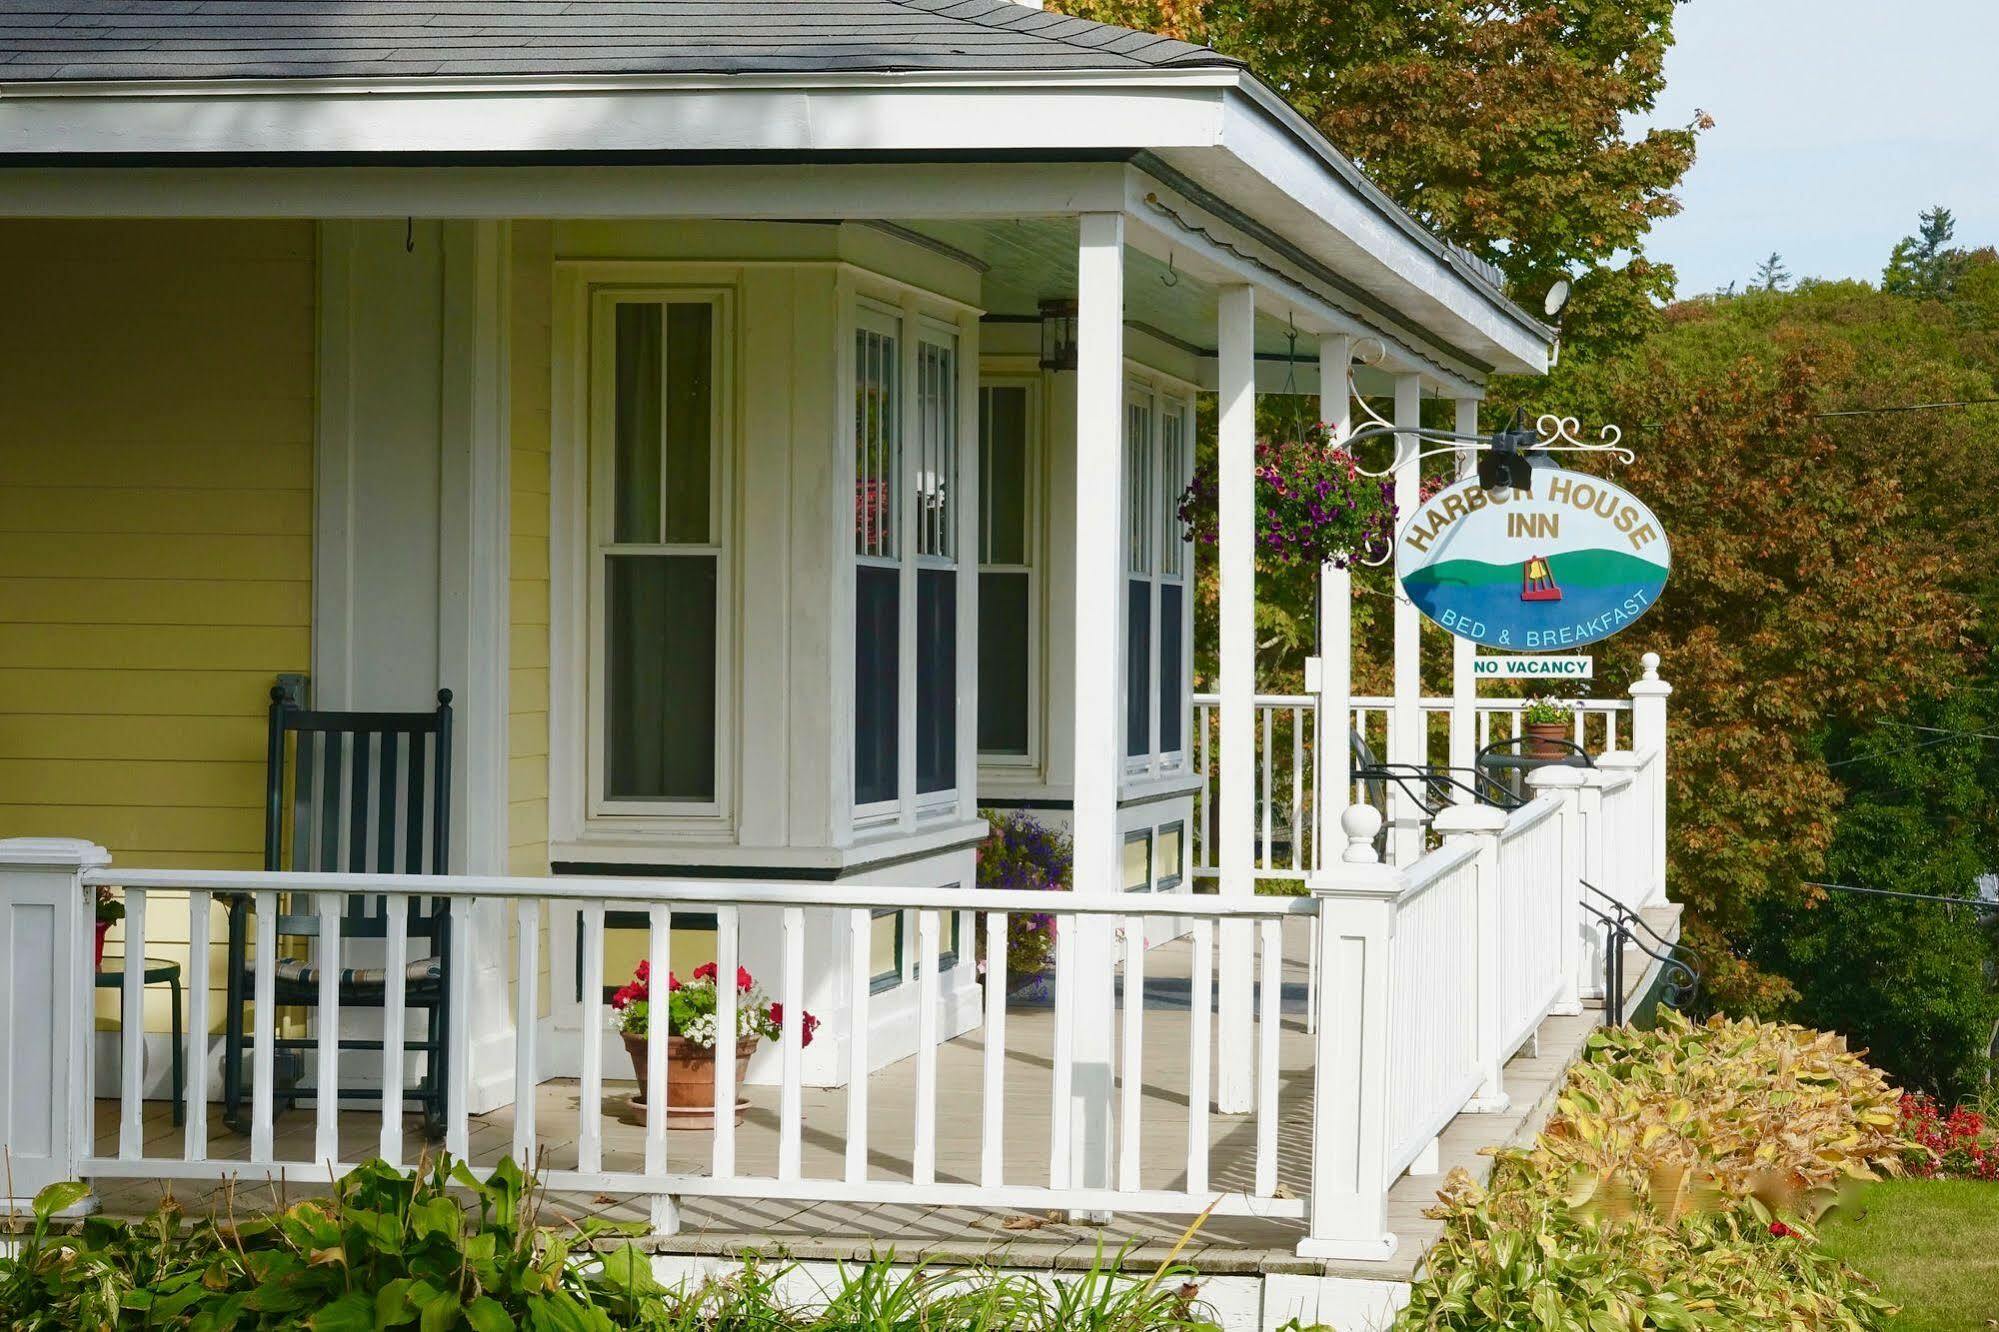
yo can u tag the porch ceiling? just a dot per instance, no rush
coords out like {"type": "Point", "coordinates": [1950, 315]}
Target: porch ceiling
{"type": "Point", "coordinates": [1031, 259]}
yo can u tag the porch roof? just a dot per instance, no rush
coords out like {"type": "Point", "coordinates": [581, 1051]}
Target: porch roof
{"type": "Point", "coordinates": [216, 39]}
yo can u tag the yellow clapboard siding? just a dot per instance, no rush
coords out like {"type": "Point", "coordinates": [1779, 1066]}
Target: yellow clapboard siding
{"type": "Point", "coordinates": [151, 601]}
{"type": "Point", "coordinates": [153, 738]}
{"type": "Point", "coordinates": [527, 777]}
{"type": "Point", "coordinates": [527, 687]}
{"type": "Point", "coordinates": [71, 691]}
{"type": "Point", "coordinates": [530, 473]}
{"type": "Point", "coordinates": [47, 781]}
{"type": "Point", "coordinates": [134, 832]}
{"type": "Point", "coordinates": [527, 734]}
{"type": "Point", "coordinates": [527, 822]}
{"type": "Point", "coordinates": [528, 600]}
{"type": "Point", "coordinates": [151, 555]}
{"type": "Point", "coordinates": [156, 473]}
{"type": "Point", "coordinates": [82, 508]}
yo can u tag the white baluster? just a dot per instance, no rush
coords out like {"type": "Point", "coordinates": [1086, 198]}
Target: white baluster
{"type": "Point", "coordinates": [527, 1013]}
{"type": "Point", "coordinates": [326, 1077]}
{"type": "Point", "coordinates": [1265, 758]}
{"type": "Point", "coordinates": [590, 1110]}
{"type": "Point", "coordinates": [726, 1024]}
{"type": "Point", "coordinates": [198, 924]}
{"type": "Point", "coordinates": [1062, 1075]}
{"type": "Point", "coordinates": [860, 979]}
{"type": "Point", "coordinates": [263, 1040]}
{"type": "Point", "coordinates": [1298, 819]}
{"type": "Point", "coordinates": [924, 1169]}
{"type": "Point", "coordinates": [458, 1031]}
{"type": "Point", "coordinates": [1268, 1015]}
{"type": "Point", "coordinates": [992, 1129]}
{"type": "Point", "coordinates": [395, 965]}
{"type": "Point", "coordinates": [132, 1032]}
{"type": "Point", "coordinates": [791, 1038]}
{"type": "Point", "coordinates": [1131, 1074]}
{"type": "Point", "coordinates": [1200, 998]}
{"type": "Point", "coordinates": [659, 1023]}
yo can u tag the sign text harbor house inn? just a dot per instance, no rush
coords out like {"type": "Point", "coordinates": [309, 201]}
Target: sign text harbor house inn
{"type": "Point", "coordinates": [1570, 564]}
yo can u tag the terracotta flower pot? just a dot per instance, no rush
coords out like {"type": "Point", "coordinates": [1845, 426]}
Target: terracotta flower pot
{"type": "Point", "coordinates": [690, 1080]}
{"type": "Point", "coordinates": [1547, 740]}
{"type": "Point", "coordinates": [103, 928]}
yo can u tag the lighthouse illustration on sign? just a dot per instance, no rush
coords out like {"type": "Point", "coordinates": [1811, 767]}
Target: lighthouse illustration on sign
{"type": "Point", "coordinates": [1537, 581]}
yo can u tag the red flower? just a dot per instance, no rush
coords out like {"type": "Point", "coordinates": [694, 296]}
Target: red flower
{"type": "Point", "coordinates": [705, 972]}
{"type": "Point", "coordinates": [743, 980]}
{"type": "Point", "coordinates": [672, 982]}
{"type": "Point", "coordinates": [806, 1027]}
{"type": "Point", "coordinates": [1780, 1230]}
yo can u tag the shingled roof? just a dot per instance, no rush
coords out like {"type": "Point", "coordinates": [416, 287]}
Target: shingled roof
{"type": "Point", "coordinates": [45, 40]}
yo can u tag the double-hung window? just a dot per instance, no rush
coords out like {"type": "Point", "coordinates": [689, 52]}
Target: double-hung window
{"type": "Point", "coordinates": [659, 633]}
{"type": "Point", "coordinates": [906, 550]}
{"type": "Point", "coordinates": [1008, 642]}
{"type": "Point", "coordinates": [1157, 458]}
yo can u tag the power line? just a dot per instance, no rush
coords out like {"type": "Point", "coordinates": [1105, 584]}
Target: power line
{"type": "Point", "coordinates": [1890, 753]}
{"type": "Point", "coordinates": [1910, 407]}
{"type": "Point", "coordinates": [1983, 903]}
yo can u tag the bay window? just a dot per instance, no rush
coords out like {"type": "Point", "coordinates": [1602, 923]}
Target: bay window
{"type": "Point", "coordinates": [657, 571]}
{"type": "Point", "coordinates": [906, 550]}
{"type": "Point", "coordinates": [1008, 643]}
{"type": "Point", "coordinates": [1158, 455]}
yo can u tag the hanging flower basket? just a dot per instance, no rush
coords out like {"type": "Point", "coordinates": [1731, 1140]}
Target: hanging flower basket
{"type": "Point", "coordinates": [1314, 506]}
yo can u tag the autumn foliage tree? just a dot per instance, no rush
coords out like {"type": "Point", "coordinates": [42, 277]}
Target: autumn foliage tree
{"type": "Point", "coordinates": [1500, 123]}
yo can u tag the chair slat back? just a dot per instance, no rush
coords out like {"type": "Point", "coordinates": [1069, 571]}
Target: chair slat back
{"type": "Point", "coordinates": [358, 791]}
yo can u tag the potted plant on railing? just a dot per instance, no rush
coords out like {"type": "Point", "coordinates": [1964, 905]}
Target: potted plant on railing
{"type": "Point", "coordinates": [1023, 854]}
{"type": "Point", "coordinates": [1547, 721]}
{"type": "Point", "coordinates": [1314, 505]}
{"type": "Point", "coordinates": [109, 908]}
{"type": "Point", "coordinates": [691, 1038]}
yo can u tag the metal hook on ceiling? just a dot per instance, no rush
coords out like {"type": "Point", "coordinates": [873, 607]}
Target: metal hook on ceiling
{"type": "Point", "coordinates": [1171, 277]}
{"type": "Point", "coordinates": [409, 235]}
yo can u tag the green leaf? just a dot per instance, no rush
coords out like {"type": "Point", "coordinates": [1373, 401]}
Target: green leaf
{"type": "Point", "coordinates": [436, 1217]}
{"type": "Point", "coordinates": [392, 1304]}
{"type": "Point", "coordinates": [60, 1198]}
{"type": "Point", "coordinates": [487, 1314]}
{"type": "Point", "coordinates": [352, 1312]}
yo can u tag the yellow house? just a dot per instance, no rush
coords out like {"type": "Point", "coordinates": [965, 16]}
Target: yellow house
{"type": "Point", "coordinates": [770, 427]}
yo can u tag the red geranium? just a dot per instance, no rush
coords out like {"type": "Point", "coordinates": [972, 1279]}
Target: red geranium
{"type": "Point", "coordinates": [806, 1027]}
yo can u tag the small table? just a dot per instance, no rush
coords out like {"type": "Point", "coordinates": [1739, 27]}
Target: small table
{"type": "Point", "coordinates": [159, 971]}
{"type": "Point", "coordinates": [1515, 767]}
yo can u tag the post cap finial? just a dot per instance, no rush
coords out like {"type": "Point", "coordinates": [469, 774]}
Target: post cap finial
{"type": "Point", "coordinates": [1650, 661]}
{"type": "Point", "coordinates": [1360, 823]}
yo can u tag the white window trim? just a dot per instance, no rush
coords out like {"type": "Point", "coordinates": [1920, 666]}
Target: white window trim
{"type": "Point", "coordinates": [1160, 397]}
{"type": "Point", "coordinates": [575, 653]}
{"type": "Point", "coordinates": [878, 316]}
{"type": "Point", "coordinates": [1032, 548]}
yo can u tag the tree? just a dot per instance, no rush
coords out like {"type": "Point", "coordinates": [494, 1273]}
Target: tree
{"type": "Point", "coordinates": [1820, 580]}
{"type": "Point", "coordinates": [1924, 265]}
{"type": "Point", "coordinates": [1771, 275]}
{"type": "Point", "coordinates": [1500, 123]}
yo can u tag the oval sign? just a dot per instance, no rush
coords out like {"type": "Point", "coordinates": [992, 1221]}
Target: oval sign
{"type": "Point", "coordinates": [1573, 563]}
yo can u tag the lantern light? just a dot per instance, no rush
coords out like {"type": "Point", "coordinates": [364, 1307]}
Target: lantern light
{"type": "Point", "coordinates": [1058, 334]}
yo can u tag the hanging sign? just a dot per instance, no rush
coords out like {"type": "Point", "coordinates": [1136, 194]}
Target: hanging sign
{"type": "Point", "coordinates": [1533, 668]}
{"type": "Point", "coordinates": [1573, 563]}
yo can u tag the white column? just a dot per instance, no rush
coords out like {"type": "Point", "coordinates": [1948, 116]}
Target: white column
{"type": "Point", "coordinates": [1405, 839]}
{"type": "Point", "coordinates": [1335, 625]}
{"type": "Point", "coordinates": [1464, 684]}
{"type": "Point", "coordinates": [1100, 681]}
{"type": "Point", "coordinates": [1648, 735]}
{"type": "Point", "coordinates": [1236, 443]}
{"type": "Point", "coordinates": [1483, 824]}
{"type": "Point", "coordinates": [46, 934]}
{"type": "Point", "coordinates": [1347, 1216]}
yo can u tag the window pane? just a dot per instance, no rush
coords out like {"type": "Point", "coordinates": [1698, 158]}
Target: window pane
{"type": "Point", "coordinates": [877, 451]}
{"type": "Point", "coordinates": [936, 679]}
{"type": "Point", "coordinates": [1170, 842]}
{"type": "Point", "coordinates": [1172, 480]}
{"type": "Point", "coordinates": [690, 415]}
{"type": "Point", "coordinates": [1138, 487]}
{"type": "Point", "coordinates": [1003, 445]}
{"type": "Point", "coordinates": [876, 622]}
{"type": "Point", "coordinates": [1138, 863]}
{"type": "Point", "coordinates": [936, 450]}
{"type": "Point", "coordinates": [885, 949]}
{"type": "Point", "coordinates": [637, 424]}
{"type": "Point", "coordinates": [659, 680]}
{"type": "Point", "coordinates": [1171, 704]}
{"type": "Point", "coordinates": [1138, 668]}
{"type": "Point", "coordinates": [1003, 663]}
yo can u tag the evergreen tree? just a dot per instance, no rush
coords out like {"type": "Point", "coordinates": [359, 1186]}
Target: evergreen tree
{"type": "Point", "coordinates": [1925, 266]}
{"type": "Point", "coordinates": [1771, 275]}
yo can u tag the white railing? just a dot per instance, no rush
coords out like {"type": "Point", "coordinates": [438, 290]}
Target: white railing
{"type": "Point", "coordinates": [1432, 988]}
{"type": "Point", "coordinates": [1286, 733]}
{"type": "Point", "coordinates": [1073, 1167]}
{"type": "Point", "coordinates": [1531, 912]}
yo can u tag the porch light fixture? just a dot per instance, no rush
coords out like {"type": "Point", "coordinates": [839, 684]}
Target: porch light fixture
{"type": "Point", "coordinates": [1503, 466]}
{"type": "Point", "coordinates": [1058, 334]}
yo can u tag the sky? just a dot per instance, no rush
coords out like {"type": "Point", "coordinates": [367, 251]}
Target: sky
{"type": "Point", "coordinates": [1836, 122]}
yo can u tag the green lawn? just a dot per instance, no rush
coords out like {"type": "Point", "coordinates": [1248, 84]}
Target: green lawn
{"type": "Point", "coordinates": [1933, 1245]}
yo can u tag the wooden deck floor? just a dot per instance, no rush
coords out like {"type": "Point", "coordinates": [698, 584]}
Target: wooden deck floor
{"type": "Point", "coordinates": [1223, 1245]}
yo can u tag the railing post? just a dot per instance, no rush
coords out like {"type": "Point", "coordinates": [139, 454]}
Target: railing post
{"type": "Point", "coordinates": [1482, 825]}
{"type": "Point", "coordinates": [1565, 783]}
{"type": "Point", "coordinates": [47, 919]}
{"type": "Point", "coordinates": [1589, 818]}
{"type": "Point", "coordinates": [1648, 734]}
{"type": "Point", "coordinates": [1348, 1213]}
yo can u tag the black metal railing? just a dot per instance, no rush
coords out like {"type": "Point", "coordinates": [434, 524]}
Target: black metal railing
{"type": "Point", "coordinates": [1624, 928]}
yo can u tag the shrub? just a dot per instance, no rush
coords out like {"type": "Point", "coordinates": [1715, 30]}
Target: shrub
{"type": "Point", "coordinates": [1676, 1186]}
{"type": "Point", "coordinates": [1023, 854]}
